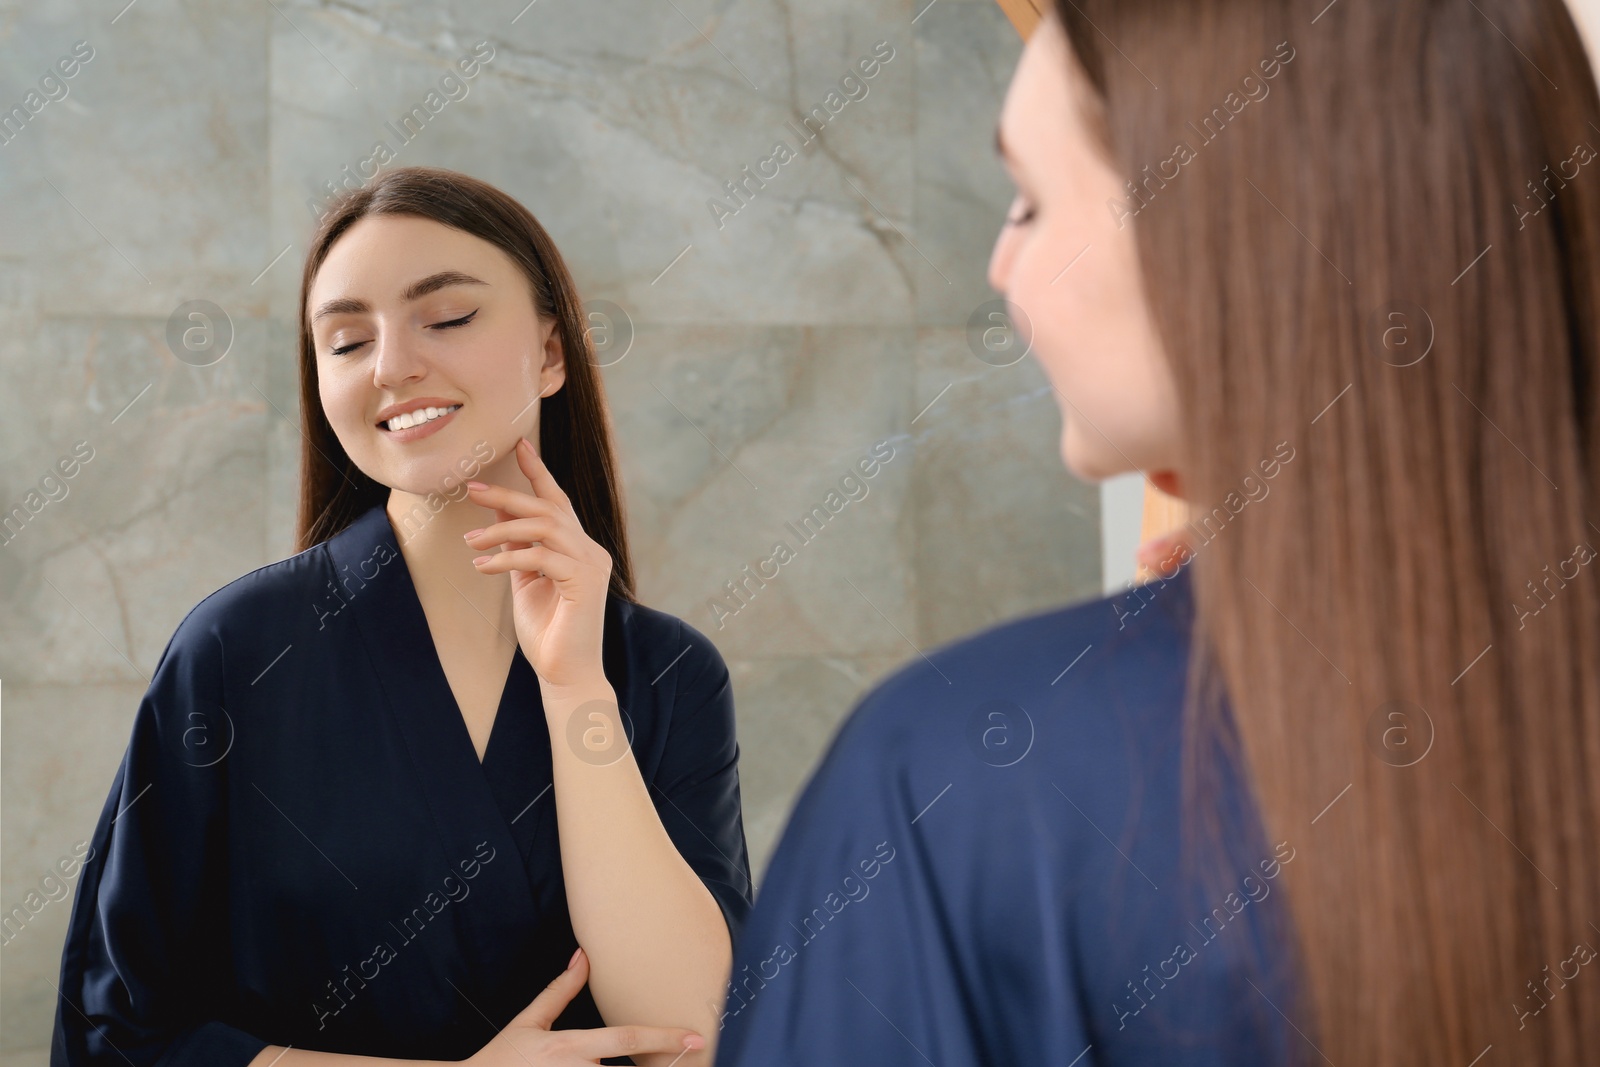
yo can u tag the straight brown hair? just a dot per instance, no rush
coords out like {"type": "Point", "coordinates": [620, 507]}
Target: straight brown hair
{"type": "Point", "coordinates": [575, 436]}
{"type": "Point", "coordinates": [1387, 258]}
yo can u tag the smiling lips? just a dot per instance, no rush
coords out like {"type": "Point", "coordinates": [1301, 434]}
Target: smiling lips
{"type": "Point", "coordinates": [416, 418]}
{"type": "Point", "coordinates": [418, 422]}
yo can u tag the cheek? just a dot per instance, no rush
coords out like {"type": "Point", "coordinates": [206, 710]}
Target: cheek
{"type": "Point", "coordinates": [491, 366]}
{"type": "Point", "coordinates": [1092, 335]}
{"type": "Point", "coordinates": [341, 399]}
{"type": "Point", "coordinates": [498, 375]}
{"type": "Point", "coordinates": [1062, 308]}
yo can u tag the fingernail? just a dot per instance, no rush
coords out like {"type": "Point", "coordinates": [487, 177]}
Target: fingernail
{"type": "Point", "coordinates": [573, 962]}
{"type": "Point", "coordinates": [478, 560]}
{"type": "Point", "coordinates": [694, 1041]}
{"type": "Point", "coordinates": [470, 534]}
{"type": "Point", "coordinates": [476, 485]}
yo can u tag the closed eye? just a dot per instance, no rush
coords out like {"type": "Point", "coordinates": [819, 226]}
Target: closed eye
{"type": "Point", "coordinates": [436, 326]}
{"type": "Point", "coordinates": [1023, 218]}
{"type": "Point", "coordinates": [455, 322]}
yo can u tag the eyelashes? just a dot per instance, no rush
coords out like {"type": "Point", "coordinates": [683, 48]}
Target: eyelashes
{"type": "Point", "coordinates": [1022, 219]}
{"type": "Point", "coordinates": [462, 321]}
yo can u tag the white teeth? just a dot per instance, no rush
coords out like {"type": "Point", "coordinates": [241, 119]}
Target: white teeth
{"type": "Point", "coordinates": [418, 417]}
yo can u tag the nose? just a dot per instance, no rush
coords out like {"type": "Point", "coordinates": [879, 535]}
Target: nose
{"type": "Point", "coordinates": [394, 360]}
{"type": "Point", "coordinates": [1000, 259]}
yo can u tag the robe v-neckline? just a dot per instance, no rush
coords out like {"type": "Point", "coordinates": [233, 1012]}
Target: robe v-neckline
{"type": "Point", "coordinates": [377, 586]}
{"type": "Point", "coordinates": [500, 706]}
{"type": "Point", "coordinates": [507, 796]}
{"type": "Point", "coordinates": [415, 618]}
{"type": "Point", "coordinates": [461, 717]}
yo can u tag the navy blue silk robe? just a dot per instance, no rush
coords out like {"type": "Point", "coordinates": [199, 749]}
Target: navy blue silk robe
{"type": "Point", "coordinates": [301, 847]}
{"type": "Point", "coordinates": [984, 869]}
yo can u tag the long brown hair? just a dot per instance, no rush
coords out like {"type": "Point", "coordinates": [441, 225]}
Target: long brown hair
{"type": "Point", "coordinates": [574, 421]}
{"type": "Point", "coordinates": [1416, 173]}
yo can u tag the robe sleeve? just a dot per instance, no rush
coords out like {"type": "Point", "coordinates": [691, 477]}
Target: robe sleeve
{"type": "Point", "coordinates": [696, 786]}
{"type": "Point", "coordinates": [145, 969]}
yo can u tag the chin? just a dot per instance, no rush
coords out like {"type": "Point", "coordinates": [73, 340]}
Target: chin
{"type": "Point", "coordinates": [418, 479]}
{"type": "Point", "coordinates": [436, 463]}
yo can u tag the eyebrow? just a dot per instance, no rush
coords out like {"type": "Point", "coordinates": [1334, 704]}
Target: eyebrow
{"type": "Point", "coordinates": [348, 305]}
{"type": "Point", "coordinates": [1000, 143]}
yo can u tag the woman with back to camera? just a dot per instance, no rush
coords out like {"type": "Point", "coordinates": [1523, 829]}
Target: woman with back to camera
{"type": "Point", "coordinates": [343, 832]}
{"type": "Point", "coordinates": [1350, 316]}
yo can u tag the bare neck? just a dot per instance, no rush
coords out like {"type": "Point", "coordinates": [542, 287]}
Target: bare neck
{"type": "Point", "coordinates": [440, 562]}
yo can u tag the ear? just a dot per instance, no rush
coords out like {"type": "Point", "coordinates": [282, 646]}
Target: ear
{"type": "Point", "coordinates": [554, 373]}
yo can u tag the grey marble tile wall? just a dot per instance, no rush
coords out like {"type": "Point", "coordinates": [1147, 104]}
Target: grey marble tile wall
{"type": "Point", "coordinates": [777, 337]}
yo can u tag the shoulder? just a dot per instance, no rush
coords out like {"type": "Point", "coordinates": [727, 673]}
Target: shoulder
{"type": "Point", "coordinates": [1019, 746]}
{"type": "Point", "coordinates": [239, 631]}
{"type": "Point", "coordinates": [294, 596]}
{"type": "Point", "coordinates": [665, 647]}
{"type": "Point", "coordinates": [251, 604]}
{"type": "Point", "coordinates": [1072, 679]}
{"type": "Point", "coordinates": [219, 647]}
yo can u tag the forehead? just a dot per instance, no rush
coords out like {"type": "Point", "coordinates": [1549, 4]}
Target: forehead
{"type": "Point", "coordinates": [1040, 89]}
{"type": "Point", "coordinates": [1047, 120]}
{"type": "Point", "coordinates": [380, 254]}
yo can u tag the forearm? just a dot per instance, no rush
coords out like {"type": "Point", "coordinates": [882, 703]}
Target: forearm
{"type": "Point", "coordinates": [658, 945]}
{"type": "Point", "coordinates": [277, 1056]}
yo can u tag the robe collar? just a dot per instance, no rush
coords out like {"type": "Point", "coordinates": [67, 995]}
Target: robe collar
{"type": "Point", "coordinates": [373, 580]}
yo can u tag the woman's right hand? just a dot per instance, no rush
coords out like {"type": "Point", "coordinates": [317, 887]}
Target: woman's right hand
{"type": "Point", "coordinates": [528, 1041]}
